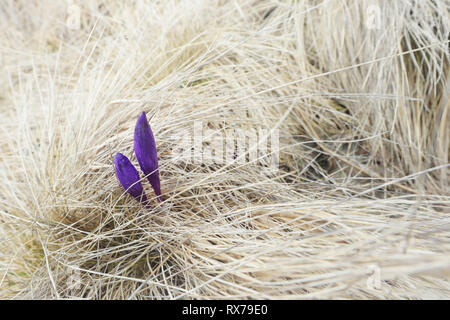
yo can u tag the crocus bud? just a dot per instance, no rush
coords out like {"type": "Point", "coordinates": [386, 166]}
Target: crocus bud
{"type": "Point", "coordinates": [145, 150]}
{"type": "Point", "coordinates": [129, 177]}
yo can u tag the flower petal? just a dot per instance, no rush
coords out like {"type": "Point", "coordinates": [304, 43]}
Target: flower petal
{"type": "Point", "coordinates": [145, 150]}
{"type": "Point", "coordinates": [129, 177]}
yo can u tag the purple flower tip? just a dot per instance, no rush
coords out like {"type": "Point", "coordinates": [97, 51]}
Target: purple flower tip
{"type": "Point", "coordinates": [145, 150]}
{"type": "Point", "coordinates": [129, 177]}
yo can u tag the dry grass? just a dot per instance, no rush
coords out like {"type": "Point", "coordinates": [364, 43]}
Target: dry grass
{"type": "Point", "coordinates": [363, 119]}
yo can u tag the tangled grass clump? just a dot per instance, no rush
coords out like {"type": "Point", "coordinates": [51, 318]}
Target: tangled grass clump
{"type": "Point", "coordinates": [361, 188]}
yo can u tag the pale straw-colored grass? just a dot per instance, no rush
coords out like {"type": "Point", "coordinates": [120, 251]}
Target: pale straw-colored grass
{"type": "Point", "coordinates": [362, 114]}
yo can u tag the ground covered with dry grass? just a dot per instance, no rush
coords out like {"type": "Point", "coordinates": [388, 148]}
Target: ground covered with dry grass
{"type": "Point", "coordinates": [357, 91]}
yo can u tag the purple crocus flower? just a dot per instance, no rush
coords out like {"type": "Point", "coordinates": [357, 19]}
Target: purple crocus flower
{"type": "Point", "coordinates": [129, 177]}
{"type": "Point", "coordinates": [145, 150]}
